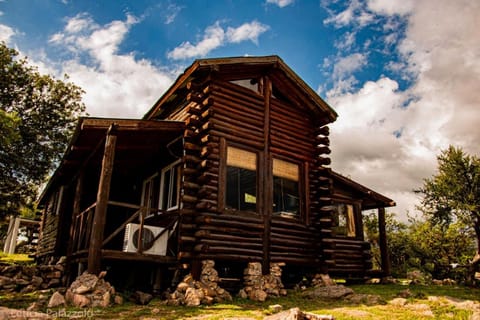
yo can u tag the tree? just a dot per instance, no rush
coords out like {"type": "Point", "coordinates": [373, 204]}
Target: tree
{"type": "Point", "coordinates": [37, 116]}
{"type": "Point", "coordinates": [434, 249]}
{"type": "Point", "coordinates": [453, 193]}
{"type": "Point", "coordinates": [397, 240]}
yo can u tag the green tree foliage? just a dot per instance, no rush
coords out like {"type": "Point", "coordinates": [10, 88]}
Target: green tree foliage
{"type": "Point", "coordinates": [453, 193]}
{"type": "Point", "coordinates": [37, 116]}
{"type": "Point", "coordinates": [442, 251]}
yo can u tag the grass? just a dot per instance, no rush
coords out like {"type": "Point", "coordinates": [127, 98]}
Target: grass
{"type": "Point", "coordinates": [15, 258]}
{"type": "Point", "coordinates": [420, 305]}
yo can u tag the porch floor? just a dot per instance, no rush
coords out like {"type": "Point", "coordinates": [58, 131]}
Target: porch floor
{"type": "Point", "coordinates": [126, 256]}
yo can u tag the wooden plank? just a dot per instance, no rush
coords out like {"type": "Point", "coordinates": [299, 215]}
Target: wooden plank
{"type": "Point", "coordinates": [96, 240]}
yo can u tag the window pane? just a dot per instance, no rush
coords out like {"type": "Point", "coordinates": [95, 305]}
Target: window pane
{"type": "Point", "coordinates": [344, 220]}
{"type": "Point", "coordinates": [241, 193]}
{"type": "Point", "coordinates": [174, 188]}
{"type": "Point", "coordinates": [285, 197]}
{"type": "Point", "coordinates": [165, 189]}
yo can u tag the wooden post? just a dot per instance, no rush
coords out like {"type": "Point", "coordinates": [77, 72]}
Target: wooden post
{"type": "Point", "coordinates": [266, 166]}
{"type": "Point", "coordinates": [96, 237]}
{"type": "Point", "coordinates": [383, 242]}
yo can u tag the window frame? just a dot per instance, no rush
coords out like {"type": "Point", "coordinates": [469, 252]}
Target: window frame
{"type": "Point", "coordinates": [225, 174]}
{"type": "Point", "coordinates": [150, 179]}
{"type": "Point", "coordinates": [171, 168]}
{"type": "Point", "coordinates": [301, 188]}
{"type": "Point", "coordinates": [354, 217]}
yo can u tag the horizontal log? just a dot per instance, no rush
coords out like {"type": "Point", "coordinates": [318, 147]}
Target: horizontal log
{"type": "Point", "coordinates": [234, 250]}
{"type": "Point", "coordinates": [290, 154]}
{"type": "Point", "coordinates": [203, 235]}
{"type": "Point", "coordinates": [245, 244]}
{"type": "Point", "coordinates": [321, 140]}
{"type": "Point", "coordinates": [234, 257]}
{"type": "Point", "coordinates": [231, 230]}
{"type": "Point", "coordinates": [225, 223]}
{"type": "Point", "coordinates": [237, 93]}
{"type": "Point", "coordinates": [184, 238]}
{"type": "Point", "coordinates": [206, 204]}
{"type": "Point", "coordinates": [286, 110]}
{"type": "Point", "coordinates": [324, 131]}
{"type": "Point", "coordinates": [320, 149]}
{"type": "Point", "coordinates": [205, 177]}
{"type": "Point", "coordinates": [243, 123]}
{"type": "Point", "coordinates": [323, 161]}
{"type": "Point", "coordinates": [306, 261]}
{"type": "Point", "coordinates": [237, 139]}
{"type": "Point", "coordinates": [229, 128]}
{"type": "Point", "coordinates": [189, 198]}
{"type": "Point", "coordinates": [225, 109]}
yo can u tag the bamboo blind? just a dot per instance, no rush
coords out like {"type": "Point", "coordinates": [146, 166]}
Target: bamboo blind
{"type": "Point", "coordinates": [284, 169]}
{"type": "Point", "coordinates": [241, 158]}
{"type": "Point", "coordinates": [350, 221]}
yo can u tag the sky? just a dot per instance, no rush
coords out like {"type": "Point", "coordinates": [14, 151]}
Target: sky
{"type": "Point", "coordinates": [403, 75]}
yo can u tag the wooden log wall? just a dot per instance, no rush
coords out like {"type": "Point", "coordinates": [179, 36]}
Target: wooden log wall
{"type": "Point", "coordinates": [48, 228]}
{"type": "Point", "coordinates": [221, 110]}
{"type": "Point", "coordinates": [294, 136]}
{"type": "Point", "coordinates": [348, 257]}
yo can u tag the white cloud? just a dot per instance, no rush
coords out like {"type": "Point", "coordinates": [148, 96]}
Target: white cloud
{"type": "Point", "coordinates": [247, 31]}
{"type": "Point", "coordinates": [391, 7]}
{"type": "Point", "coordinates": [281, 3]}
{"type": "Point", "coordinates": [116, 85]}
{"type": "Point", "coordinates": [171, 13]}
{"type": "Point", "coordinates": [354, 13]}
{"type": "Point", "coordinates": [346, 42]}
{"type": "Point", "coordinates": [6, 33]}
{"type": "Point", "coordinates": [345, 66]}
{"type": "Point", "coordinates": [215, 36]}
{"type": "Point", "coordinates": [388, 139]}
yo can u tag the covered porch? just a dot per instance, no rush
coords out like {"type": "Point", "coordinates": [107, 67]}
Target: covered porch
{"type": "Point", "coordinates": [347, 251]}
{"type": "Point", "coordinates": [105, 190]}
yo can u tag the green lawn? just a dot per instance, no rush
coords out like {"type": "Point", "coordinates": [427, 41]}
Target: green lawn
{"type": "Point", "coordinates": [420, 305]}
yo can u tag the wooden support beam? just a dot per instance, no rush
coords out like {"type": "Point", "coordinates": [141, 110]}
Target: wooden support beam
{"type": "Point", "coordinates": [267, 179]}
{"type": "Point", "coordinates": [386, 266]}
{"type": "Point", "coordinates": [99, 219]}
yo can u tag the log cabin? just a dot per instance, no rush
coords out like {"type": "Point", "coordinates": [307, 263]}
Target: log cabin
{"type": "Point", "coordinates": [230, 164]}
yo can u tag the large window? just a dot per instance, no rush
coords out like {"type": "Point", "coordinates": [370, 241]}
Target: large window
{"type": "Point", "coordinates": [286, 200]}
{"type": "Point", "coordinates": [170, 187]}
{"type": "Point", "coordinates": [344, 220]}
{"type": "Point", "coordinates": [162, 191]}
{"type": "Point", "coordinates": [241, 193]}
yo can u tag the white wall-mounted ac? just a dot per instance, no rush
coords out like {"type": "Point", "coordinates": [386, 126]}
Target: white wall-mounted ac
{"type": "Point", "coordinates": [130, 243]}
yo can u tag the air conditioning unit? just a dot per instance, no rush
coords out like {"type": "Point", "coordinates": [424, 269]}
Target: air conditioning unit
{"type": "Point", "coordinates": [130, 243]}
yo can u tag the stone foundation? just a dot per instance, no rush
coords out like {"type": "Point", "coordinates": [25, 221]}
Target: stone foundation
{"type": "Point", "coordinates": [206, 291]}
{"type": "Point", "coordinates": [25, 279]}
{"type": "Point", "coordinates": [259, 287]}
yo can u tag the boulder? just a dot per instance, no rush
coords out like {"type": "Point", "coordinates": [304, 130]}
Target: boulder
{"type": "Point", "coordinates": [331, 292]}
{"type": "Point", "coordinates": [56, 300]}
{"type": "Point", "coordinates": [142, 298]}
{"type": "Point", "coordinates": [297, 314]}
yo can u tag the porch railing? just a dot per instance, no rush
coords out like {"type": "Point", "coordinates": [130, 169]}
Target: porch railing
{"type": "Point", "coordinates": [82, 225]}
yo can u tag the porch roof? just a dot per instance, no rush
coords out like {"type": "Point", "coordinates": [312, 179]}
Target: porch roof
{"type": "Point", "coordinates": [138, 141]}
{"type": "Point", "coordinates": [370, 199]}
